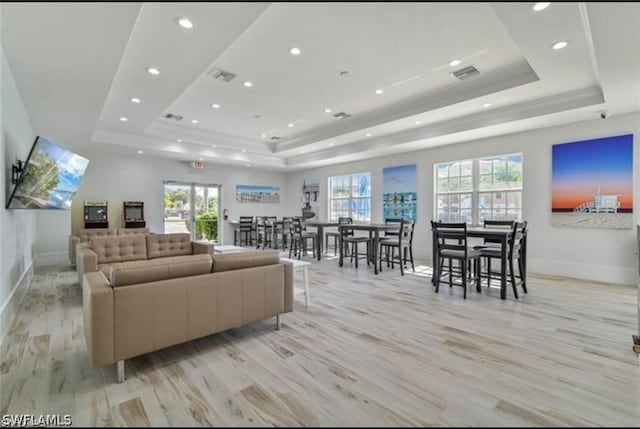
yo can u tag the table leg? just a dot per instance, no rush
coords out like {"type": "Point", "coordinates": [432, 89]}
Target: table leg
{"type": "Point", "coordinates": [320, 238]}
{"type": "Point", "coordinates": [503, 268]}
{"type": "Point", "coordinates": [305, 273]}
{"type": "Point", "coordinates": [340, 233]}
{"type": "Point", "coordinates": [374, 251]}
{"type": "Point", "coordinates": [436, 258]}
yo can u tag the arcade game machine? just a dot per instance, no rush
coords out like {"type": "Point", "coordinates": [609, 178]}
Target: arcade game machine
{"type": "Point", "coordinates": [133, 214]}
{"type": "Point", "coordinates": [95, 214]}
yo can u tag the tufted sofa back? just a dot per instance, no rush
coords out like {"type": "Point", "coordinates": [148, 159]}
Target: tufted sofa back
{"type": "Point", "coordinates": [162, 245]}
{"type": "Point", "coordinates": [131, 231]}
{"type": "Point", "coordinates": [87, 234]}
{"type": "Point", "coordinates": [119, 248]}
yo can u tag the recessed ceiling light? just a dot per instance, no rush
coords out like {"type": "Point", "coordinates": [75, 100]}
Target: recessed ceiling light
{"type": "Point", "coordinates": [559, 45]}
{"type": "Point", "coordinates": [248, 165]}
{"type": "Point", "coordinates": [140, 152]}
{"type": "Point", "coordinates": [215, 106]}
{"type": "Point", "coordinates": [194, 121]}
{"type": "Point", "coordinates": [542, 5]}
{"type": "Point", "coordinates": [454, 63]}
{"type": "Point", "coordinates": [486, 105]}
{"type": "Point", "coordinates": [327, 110]}
{"type": "Point", "coordinates": [295, 51]}
{"type": "Point", "coordinates": [247, 84]}
{"type": "Point", "coordinates": [330, 144]}
{"type": "Point", "coordinates": [179, 140]}
{"type": "Point", "coordinates": [368, 135]}
{"type": "Point", "coordinates": [214, 146]}
{"type": "Point", "coordinates": [185, 23]}
{"type": "Point", "coordinates": [135, 100]}
{"type": "Point", "coordinates": [263, 135]}
{"type": "Point", "coordinates": [244, 150]}
{"type": "Point", "coordinates": [291, 125]}
{"type": "Point", "coordinates": [153, 71]}
{"type": "Point", "coordinates": [379, 91]}
{"type": "Point", "coordinates": [301, 151]}
{"type": "Point", "coordinates": [123, 119]}
{"type": "Point", "coordinates": [418, 122]}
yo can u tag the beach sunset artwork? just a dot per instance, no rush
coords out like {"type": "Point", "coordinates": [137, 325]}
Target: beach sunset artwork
{"type": "Point", "coordinates": [592, 183]}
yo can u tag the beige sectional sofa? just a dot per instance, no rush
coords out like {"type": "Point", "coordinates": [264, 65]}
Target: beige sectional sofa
{"type": "Point", "coordinates": [139, 306]}
{"type": "Point", "coordinates": [85, 234]}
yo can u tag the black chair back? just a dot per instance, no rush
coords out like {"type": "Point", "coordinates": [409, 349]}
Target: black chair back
{"type": "Point", "coordinates": [497, 224]}
{"type": "Point", "coordinates": [451, 237]}
{"type": "Point", "coordinates": [392, 220]}
{"type": "Point", "coordinates": [245, 223]}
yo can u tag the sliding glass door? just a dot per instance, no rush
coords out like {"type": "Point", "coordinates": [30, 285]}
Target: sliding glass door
{"type": "Point", "coordinates": [192, 208]}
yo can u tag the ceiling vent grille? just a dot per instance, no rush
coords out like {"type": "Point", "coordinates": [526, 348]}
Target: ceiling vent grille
{"type": "Point", "coordinates": [276, 138]}
{"type": "Point", "coordinates": [341, 115]}
{"type": "Point", "coordinates": [172, 116]}
{"type": "Point", "coordinates": [222, 75]}
{"type": "Point", "coordinates": [466, 72]}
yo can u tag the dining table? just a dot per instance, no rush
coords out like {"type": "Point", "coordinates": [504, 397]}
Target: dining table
{"type": "Point", "coordinates": [495, 234]}
{"type": "Point", "coordinates": [373, 229]}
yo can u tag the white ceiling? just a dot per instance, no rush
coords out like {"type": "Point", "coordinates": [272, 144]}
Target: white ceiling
{"type": "Point", "coordinates": [78, 65]}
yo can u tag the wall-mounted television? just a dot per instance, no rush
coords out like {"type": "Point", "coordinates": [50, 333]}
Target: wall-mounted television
{"type": "Point", "coordinates": [49, 179]}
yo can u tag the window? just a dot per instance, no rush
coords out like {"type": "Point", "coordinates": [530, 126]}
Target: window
{"type": "Point", "coordinates": [350, 196]}
{"type": "Point", "coordinates": [473, 191]}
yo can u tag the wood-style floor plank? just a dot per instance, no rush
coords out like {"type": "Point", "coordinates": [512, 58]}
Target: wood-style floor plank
{"type": "Point", "coordinates": [370, 350]}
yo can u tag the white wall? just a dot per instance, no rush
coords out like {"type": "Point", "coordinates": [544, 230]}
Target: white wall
{"type": "Point", "coordinates": [17, 227]}
{"type": "Point", "coordinates": [116, 178]}
{"type": "Point", "coordinates": [601, 255]}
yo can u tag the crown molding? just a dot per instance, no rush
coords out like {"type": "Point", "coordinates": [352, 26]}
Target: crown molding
{"type": "Point", "coordinates": [506, 78]}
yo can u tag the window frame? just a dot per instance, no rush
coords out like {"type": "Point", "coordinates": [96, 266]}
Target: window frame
{"type": "Point", "coordinates": [476, 191]}
{"type": "Point", "coordinates": [350, 198]}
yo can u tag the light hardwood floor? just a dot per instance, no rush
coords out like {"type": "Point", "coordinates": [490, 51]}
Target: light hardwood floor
{"type": "Point", "coordinates": [370, 350]}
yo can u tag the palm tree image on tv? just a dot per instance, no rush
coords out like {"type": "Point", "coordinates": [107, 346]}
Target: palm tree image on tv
{"type": "Point", "coordinates": [50, 179]}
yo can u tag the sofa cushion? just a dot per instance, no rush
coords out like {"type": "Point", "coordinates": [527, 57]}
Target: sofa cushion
{"type": "Point", "coordinates": [119, 248]}
{"type": "Point", "coordinates": [87, 234]}
{"type": "Point", "coordinates": [163, 245]}
{"type": "Point", "coordinates": [127, 273]}
{"type": "Point", "coordinates": [131, 231]}
{"type": "Point", "coordinates": [236, 261]}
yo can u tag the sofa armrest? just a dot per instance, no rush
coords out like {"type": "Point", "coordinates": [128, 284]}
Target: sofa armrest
{"type": "Point", "coordinates": [288, 286]}
{"type": "Point", "coordinates": [98, 318]}
{"type": "Point", "coordinates": [200, 247]}
{"type": "Point", "coordinates": [86, 261]}
{"type": "Point", "coordinates": [73, 240]}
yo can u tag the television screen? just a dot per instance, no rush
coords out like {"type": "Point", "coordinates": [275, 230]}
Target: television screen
{"type": "Point", "coordinates": [96, 214]}
{"type": "Point", "coordinates": [49, 179]}
{"type": "Point", "coordinates": [133, 213]}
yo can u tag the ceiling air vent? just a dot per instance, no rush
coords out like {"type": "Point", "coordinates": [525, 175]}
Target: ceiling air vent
{"type": "Point", "coordinates": [466, 72]}
{"type": "Point", "coordinates": [341, 115]}
{"type": "Point", "coordinates": [172, 116]}
{"type": "Point", "coordinates": [276, 138]}
{"type": "Point", "coordinates": [223, 75]}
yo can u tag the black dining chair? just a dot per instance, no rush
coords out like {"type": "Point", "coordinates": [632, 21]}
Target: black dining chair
{"type": "Point", "coordinates": [515, 252]}
{"type": "Point", "coordinates": [336, 234]}
{"type": "Point", "coordinates": [451, 242]}
{"type": "Point", "coordinates": [299, 238]}
{"type": "Point", "coordinates": [349, 238]}
{"type": "Point", "coordinates": [244, 230]}
{"type": "Point", "coordinates": [400, 241]}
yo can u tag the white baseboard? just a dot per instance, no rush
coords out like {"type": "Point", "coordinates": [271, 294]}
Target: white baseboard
{"type": "Point", "coordinates": [598, 273]}
{"type": "Point", "coordinates": [51, 258]}
{"type": "Point", "coordinates": [10, 307]}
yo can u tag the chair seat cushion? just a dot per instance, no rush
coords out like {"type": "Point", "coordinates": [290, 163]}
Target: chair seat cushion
{"type": "Point", "coordinates": [356, 239]}
{"type": "Point", "coordinates": [459, 254]}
